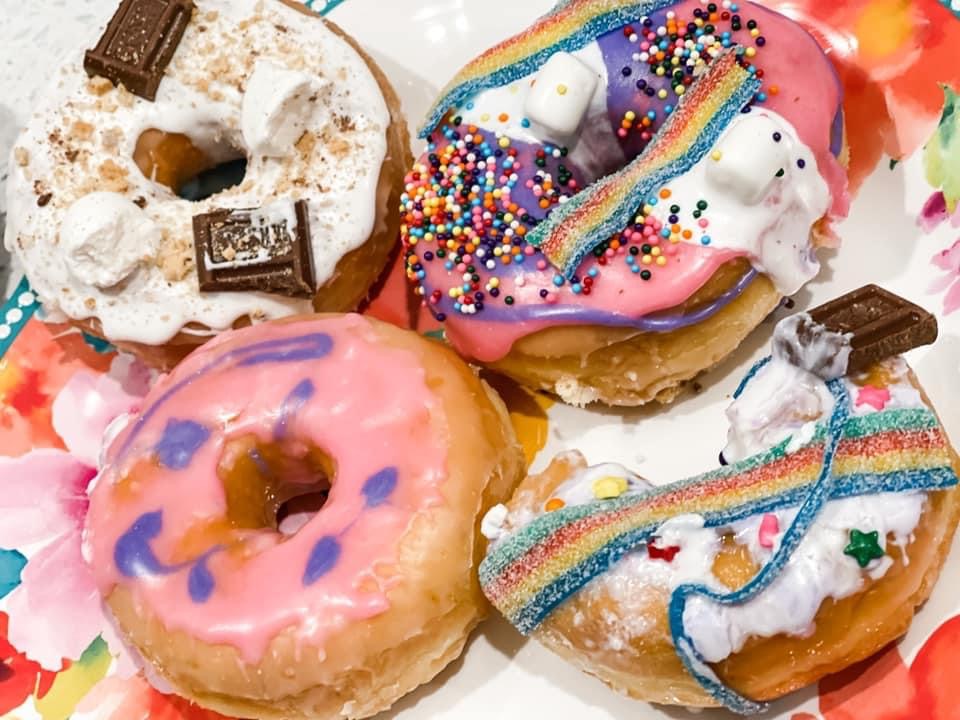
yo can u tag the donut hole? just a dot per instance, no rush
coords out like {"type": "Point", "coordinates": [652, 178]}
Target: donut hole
{"type": "Point", "coordinates": [277, 486]}
{"type": "Point", "coordinates": [193, 173]}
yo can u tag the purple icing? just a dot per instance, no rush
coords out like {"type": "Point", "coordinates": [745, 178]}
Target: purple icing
{"type": "Point", "coordinates": [133, 555]}
{"type": "Point", "coordinates": [378, 488]}
{"type": "Point", "coordinates": [323, 558]}
{"type": "Point", "coordinates": [291, 405]}
{"type": "Point", "coordinates": [836, 133]}
{"type": "Point", "coordinates": [180, 441]}
{"type": "Point", "coordinates": [582, 315]}
{"type": "Point", "coordinates": [200, 582]}
{"type": "Point", "coordinates": [293, 349]}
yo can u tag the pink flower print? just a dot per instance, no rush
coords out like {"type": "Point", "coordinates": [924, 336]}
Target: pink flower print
{"type": "Point", "coordinates": [948, 261]}
{"type": "Point", "coordinates": [56, 611]}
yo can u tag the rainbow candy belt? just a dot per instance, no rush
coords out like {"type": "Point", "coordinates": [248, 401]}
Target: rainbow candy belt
{"type": "Point", "coordinates": [573, 229]}
{"type": "Point", "coordinates": [531, 573]}
{"type": "Point", "coordinates": [570, 26]}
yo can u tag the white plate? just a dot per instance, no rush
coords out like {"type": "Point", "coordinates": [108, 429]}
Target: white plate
{"type": "Point", "coordinates": [420, 44]}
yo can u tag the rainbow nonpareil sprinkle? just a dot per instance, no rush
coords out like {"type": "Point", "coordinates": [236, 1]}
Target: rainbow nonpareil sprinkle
{"type": "Point", "coordinates": [535, 570]}
{"type": "Point", "coordinates": [570, 26]}
{"type": "Point", "coordinates": [573, 229]}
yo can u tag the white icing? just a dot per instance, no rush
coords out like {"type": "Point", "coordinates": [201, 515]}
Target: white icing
{"type": "Point", "coordinates": [560, 97]}
{"type": "Point", "coordinates": [278, 106]}
{"type": "Point", "coordinates": [492, 526]}
{"type": "Point", "coordinates": [596, 150]}
{"type": "Point", "coordinates": [781, 402]}
{"type": "Point", "coordinates": [748, 162]}
{"type": "Point", "coordinates": [105, 238]}
{"type": "Point", "coordinates": [812, 346]}
{"type": "Point", "coordinates": [201, 95]}
{"type": "Point", "coordinates": [772, 227]}
{"type": "Point", "coordinates": [817, 570]}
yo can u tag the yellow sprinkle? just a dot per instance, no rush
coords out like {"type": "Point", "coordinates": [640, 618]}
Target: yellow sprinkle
{"type": "Point", "coordinates": [661, 260]}
{"type": "Point", "coordinates": [662, 94]}
{"type": "Point", "coordinates": [661, 71]}
{"type": "Point", "coordinates": [504, 142]}
{"type": "Point", "coordinates": [630, 115]}
{"type": "Point", "coordinates": [750, 52]}
{"type": "Point", "coordinates": [680, 90]}
{"type": "Point", "coordinates": [561, 89]}
{"type": "Point", "coordinates": [609, 487]}
{"type": "Point", "coordinates": [647, 260]}
{"type": "Point", "coordinates": [485, 117]}
{"type": "Point", "coordinates": [755, 32]}
{"type": "Point", "coordinates": [716, 155]}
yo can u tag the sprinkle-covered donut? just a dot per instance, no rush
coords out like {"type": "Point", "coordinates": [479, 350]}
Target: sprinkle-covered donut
{"type": "Point", "coordinates": [611, 200]}
{"type": "Point", "coordinates": [808, 552]}
{"type": "Point", "coordinates": [205, 539]}
{"type": "Point", "coordinates": [171, 89]}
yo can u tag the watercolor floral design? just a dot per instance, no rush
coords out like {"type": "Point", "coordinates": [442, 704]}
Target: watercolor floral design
{"type": "Point", "coordinates": [58, 394]}
{"type": "Point", "coordinates": [891, 56]}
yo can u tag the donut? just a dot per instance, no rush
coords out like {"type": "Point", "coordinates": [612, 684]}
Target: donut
{"type": "Point", "coordinates": [611, 200]}
{"type": "Point", "coordinates": [94, 213]}
{"type": "Point", "coordinates": [289, 528]}
{"type": "Point", "coordinates": [808, 552]}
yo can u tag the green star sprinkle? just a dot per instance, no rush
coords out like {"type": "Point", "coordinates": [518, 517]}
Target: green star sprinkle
{"type": "Point", "coordinates": [864, 547]}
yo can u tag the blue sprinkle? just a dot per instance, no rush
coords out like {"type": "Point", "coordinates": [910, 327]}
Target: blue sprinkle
{"type": "Point", "coordinates": [11, 565]}
{"type": "Point", "coordinates": [180, 441]}
{"type": "Point", "coordinates": [470, 105]}
{"type": "Point", "coordinates": [761, 97]}
{"type": "Point", "coordinates": [705, 240]}
{"type": "Point", "coordinates": [558, 280]}
{"type": "Point", "coordinates": [323, 558]}
{"type": "Point", "coordinates": [668, 109]}
{"type": "Point", "coordinates": [665, 233]}
{"type": "Point", "coordinates": [634, 268]}
{"type": "Point", "coordinates": [593, 272]}
{"type": "Point", "coordinates": [577, 288]}
{"type": "Point", "coordinates": [378, 488]}
{"type": "Point", "coordinates": [525, 123]}
{"type": "Point", "coordinates": [200, 582]}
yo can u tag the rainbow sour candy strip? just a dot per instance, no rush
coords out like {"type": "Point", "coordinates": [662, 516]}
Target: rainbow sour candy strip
{"type": "Point", "coordinates": [574, 228]}
{"type": "Point", "coordinates": [531, 573]}
{"type": "Point", "coordinates": [570, 26]}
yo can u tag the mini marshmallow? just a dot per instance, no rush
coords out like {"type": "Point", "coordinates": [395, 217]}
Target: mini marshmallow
{"type": "Point", "coordinates": [106, 237]}
{"type": "Point", "coordinates": [746, 160]}
{"type": "Point", "coordinates": [277, 107]}
{"type": "Point", "coordinates": [561, 95]}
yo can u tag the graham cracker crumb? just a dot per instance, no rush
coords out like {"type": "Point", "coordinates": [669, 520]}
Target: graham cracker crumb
{"type": "Point", "coordinates": [338, 147]}
{"type": "Point", "coordinates": [124, 97]}
{"type": "Point", "coordinates": [90, 303]}
{"type": "Point", "coordinates": [111, 137]}
{"type": "Point", "coordinates": [211, 15]}
{"type": "Point", "coordinates": [306, 144]}
{"type": "Point", "coordinates": [175, 258]}
{"type": "Point", "coordinates": [99, 85]}
{"type": "Point", "coordinates": [229, 253]}
{"type": "Point", "coordinates": [114, 177]}
{"type": "Point", "coordinates": [21, 156]}
{"type": "Point", "coordinates": [81, 130]}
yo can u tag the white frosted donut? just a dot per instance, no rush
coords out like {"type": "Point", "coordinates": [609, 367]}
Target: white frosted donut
{"type": "Point", "coordinates": [101, 242]}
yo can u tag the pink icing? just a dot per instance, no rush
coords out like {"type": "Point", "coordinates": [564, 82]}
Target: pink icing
{"type": "Point", "coordinates": [687, 270]}
{"type": "Point", "coordinates": [809, 97]}
{"type": "Point", "coordinates": [367, 420]}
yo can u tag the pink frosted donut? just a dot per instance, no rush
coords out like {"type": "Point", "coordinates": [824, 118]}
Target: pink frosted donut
{"type": "Point", "coordinates": [206, 539]}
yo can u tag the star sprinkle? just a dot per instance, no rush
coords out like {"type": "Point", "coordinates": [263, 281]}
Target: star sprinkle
{"type": "Point", "coordinates": [875, 397]}
{"type": "Point", "coordinates": [864, 547]}
{"type": "Point", "coordinates": [769, 528]}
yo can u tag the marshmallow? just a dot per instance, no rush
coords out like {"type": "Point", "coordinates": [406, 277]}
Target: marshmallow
{"type": "Point", "coordinates": [747, 159]}
{"type": "Point", "coordinates": [277, 106]}
{"type": "Point", "coordinates": [561, 95]}
{"type": "Point", "coordinates": [105, 237]}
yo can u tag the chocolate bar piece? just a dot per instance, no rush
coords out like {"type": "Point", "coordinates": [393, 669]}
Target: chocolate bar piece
{"type": "Point", "coordinates": [256, 249]}
{"type": "Point", "coordinates": [880, 323]}
{"type": "Point", "coordinates": [139, 43]}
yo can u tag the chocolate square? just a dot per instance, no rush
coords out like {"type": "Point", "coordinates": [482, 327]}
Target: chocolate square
{"type": "Point", "coordinates": [881, 323]}
{"type": "Point", "coordinates": [247, 249]}
{"type": "Point", "coordinates": [139, 43]}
